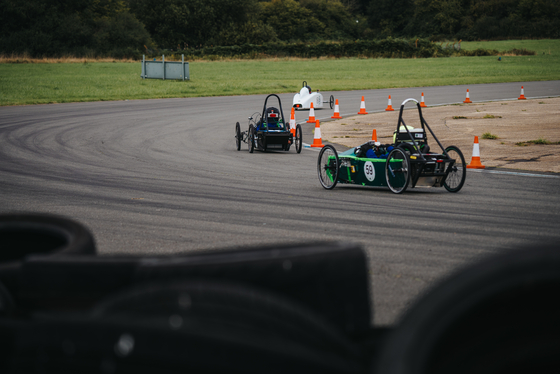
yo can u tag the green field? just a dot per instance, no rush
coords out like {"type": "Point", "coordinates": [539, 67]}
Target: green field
{"type": "Point", "coordinates": [70, 82]}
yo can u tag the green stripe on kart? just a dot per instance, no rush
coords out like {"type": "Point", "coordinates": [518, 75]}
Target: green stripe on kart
{"type": "Point", "coordinates": [349, 154]}
{"type": "Point", "coordinates": [328, 171]}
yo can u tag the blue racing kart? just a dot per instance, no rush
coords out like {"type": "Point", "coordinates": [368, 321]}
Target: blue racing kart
{"type": "Point", "coordinates": [406, 163]}
{"type": "Point", "coordinates": [269, 130]}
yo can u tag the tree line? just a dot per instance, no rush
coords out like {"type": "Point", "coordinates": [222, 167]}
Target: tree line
{"type": "Point", "coordinates": [127, 28]}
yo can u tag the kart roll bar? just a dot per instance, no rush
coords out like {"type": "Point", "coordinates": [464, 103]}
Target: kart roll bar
{"type": "Point", "coordinates": [422, 122]}
{"type": "Point", "coordinates": [279, 104]}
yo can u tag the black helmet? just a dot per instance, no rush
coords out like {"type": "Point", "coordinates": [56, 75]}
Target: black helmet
{"type": "Point", "coordinates": [272, 115]}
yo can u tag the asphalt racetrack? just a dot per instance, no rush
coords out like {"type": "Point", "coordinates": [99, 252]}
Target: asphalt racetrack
{"type": "Point", "coordinates": [164, 177]}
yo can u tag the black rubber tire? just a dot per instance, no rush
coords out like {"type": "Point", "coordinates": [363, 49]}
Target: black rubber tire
{"type": "Point", "coordinates": [194, 327]}
{"type": "Point", "coordinates": [7, 305]}
{"type": "Point", "coordinates": [327, 172]}
{"type": "Point", "coordinates": [328, 278]}
{"type": "Point", "coordinates": [22, 235]}
{"type": "Point", "coordinates": [397, 179]}
{"type": "Point", "coordinates": [456, 177]}
{"type": "Point", "coordinates": [299, 272]}
{"type": "Point", "coordinates": [499, 315]}
{"type": "Point", "coordinates": [409, 150]}
{"type": "Point", "coordinates": [331, 101]}
{"type": "Point", "coordinates": [217, 305]}
{"type": "Point", "coordinates": [25, 234]}
{"type": "Point", "coordinates": [238, 136]}
{"type": "Point", "coordinates": [299, 138]}
{"type": "Point", "coordinates": [251, 138]}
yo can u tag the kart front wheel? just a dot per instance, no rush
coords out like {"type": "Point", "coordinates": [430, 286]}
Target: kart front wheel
{"type": "Point", "coordinates": [237, 136]}
{"type": "Point", "coordinates": [298, 138]}
{"type": "Point", "coordinates": [331, 101]}
{"type": "Point", "coordinates": [397, 171]}
{"type": "Point", "coordinates": [457, 172]}
{"type": "Point", "coordinates": [251, 138]}
{"type": "Point", "coordinates": [328, 167]}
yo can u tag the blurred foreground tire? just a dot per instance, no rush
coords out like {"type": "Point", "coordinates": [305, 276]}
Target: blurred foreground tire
{"type": "Point", "coordinates": [329, 278]}
{"type": "Point", "coordinates": [185, 327]}
{"type": "Point", "coordinates": [6, 301]}
{"type": "Point", "coordinates": [501, 315]}
{"type": "Point", "coordinates": [23, 235]}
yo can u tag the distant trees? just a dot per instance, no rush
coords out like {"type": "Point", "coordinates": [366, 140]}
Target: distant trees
{"type": "Point", "coordinates": [389, 17]}
{"type": "Point", "coordinates": [77, 27]}
{"type": "Point", "coordinates": [198, 22]}
{"type": "Point", "coordinates": [308, 20]}
{"type": "Point", "coordinates": [465, 19]}
{"type": "Point", "coordinates": [129, 27]}
{"type": "Point", "coordinates": [234, 22]}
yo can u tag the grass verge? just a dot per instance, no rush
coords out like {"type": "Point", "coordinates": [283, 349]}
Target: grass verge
{"type": "Point", "coordinates": [539, 141]}
{"type": "Point", "coordinates": [488, 135]}
{"type": "Point", "coordinates": [32, 83]}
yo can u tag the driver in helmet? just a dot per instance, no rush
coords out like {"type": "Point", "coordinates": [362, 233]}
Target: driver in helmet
{"type": "Point", "coordinates": [373, 149]}
{"type": "Point", "coordinates": [273, 119]}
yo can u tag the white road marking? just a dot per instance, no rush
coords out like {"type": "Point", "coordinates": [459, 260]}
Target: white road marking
{"type": "Point", "coordinates": [515, 173]}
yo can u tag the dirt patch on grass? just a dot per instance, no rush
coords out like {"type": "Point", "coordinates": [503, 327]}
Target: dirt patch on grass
{"type": "Point", "coordinates": [520, 134]}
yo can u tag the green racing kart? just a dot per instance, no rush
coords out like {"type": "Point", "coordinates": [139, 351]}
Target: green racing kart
{"type": "Point", "coordinates": [406, 163]}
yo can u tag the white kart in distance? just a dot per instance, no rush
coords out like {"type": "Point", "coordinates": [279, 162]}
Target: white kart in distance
{"type": "Point", "coordinates": [305, 97]}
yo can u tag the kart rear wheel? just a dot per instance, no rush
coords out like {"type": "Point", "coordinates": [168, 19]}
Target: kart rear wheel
{"type": "Point", "coordinates": [456, 176]}
{"type": "Point", "coordinates": [328, 167]}
{"type": "Point", "coordinates": [397, 171]}
{"type": "Point", "coordinates": [238, 136]}
{"type": "Point", "coordinates": [299, 138]}
{"type": "Point", "coordinates": [331, 101]}
{"type": "Point", "coordinates": [251, 138]}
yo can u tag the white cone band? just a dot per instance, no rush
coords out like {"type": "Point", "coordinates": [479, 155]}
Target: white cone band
{"type": "Point", "coordinates": [317, 133]}
{"type": "Point", "coordinates": [476, 150]}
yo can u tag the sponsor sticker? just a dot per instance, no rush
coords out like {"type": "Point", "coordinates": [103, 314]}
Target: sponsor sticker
{"type": "Point", "coordinates": [369, 171]}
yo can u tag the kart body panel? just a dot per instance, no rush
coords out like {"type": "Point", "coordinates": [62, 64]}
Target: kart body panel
{"type": "Point", "coordinates": [305, 97]}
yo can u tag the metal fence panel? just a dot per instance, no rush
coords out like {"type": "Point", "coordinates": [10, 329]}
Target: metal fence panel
{"type": "Point", "coordinates": [165, 69]}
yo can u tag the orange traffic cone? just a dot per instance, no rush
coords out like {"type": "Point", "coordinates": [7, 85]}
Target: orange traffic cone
{"type": "Point", "coordinates": [317, 141]}
{"type": "Point", "coordinates": [336, 114]}
{"type": "Point", "coordinates": [522, 96]}
{"type": "Point", "coordinates": [311, 114]}
{"type": "Point", "coordinates": [293, 122]}
{"type": "Point", "coordinates": [363, 107]}
{"type": "Point", "coordinates": [475, 161]}
{"type": "Point", "coordinates": [390, 106]}
{"type": "Point", "coordinates": [374, 135]}
{"type": "Point", "coordinates": [422, 103]}
{"type": "Point", "coordinates": [467, 100]}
